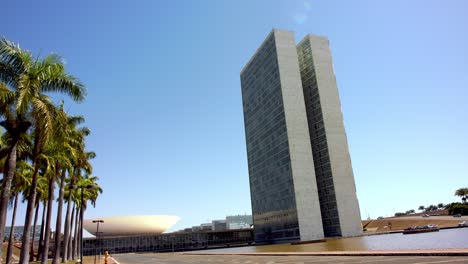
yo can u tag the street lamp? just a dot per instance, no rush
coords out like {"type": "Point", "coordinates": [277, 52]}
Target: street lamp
{"type": "Point", "coordinates": [100, 245]}
{"type": "Point", "coordinates": [89, 187]}
{"type": "Point", "coordinates": [97, 238]}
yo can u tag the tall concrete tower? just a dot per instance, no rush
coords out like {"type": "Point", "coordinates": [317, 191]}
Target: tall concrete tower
{"type": "Point", "coordinates": [333, 171]}
{"type": "Point", "coordinates": [301, 180]}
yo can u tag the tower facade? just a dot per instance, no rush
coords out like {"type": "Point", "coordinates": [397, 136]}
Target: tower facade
{"type": "Point", "coordinates": [301, 181]}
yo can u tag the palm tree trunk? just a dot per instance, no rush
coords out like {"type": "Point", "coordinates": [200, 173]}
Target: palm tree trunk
{"type": "Point", "coordinates": [76, 240]}
{"type": "Point", "coordinates": [70, 242]}
{"type": "Point", "coordinates": [29, 214]}
{"type": "Point", "coordinates": [69, 226]}
{"type": "Point", "coordinates": [34, 232]}
{"type": "Point", "coordinates": [80, 233]}
{"type": "Point", "coordinates": [50, 203]}
{"type": "Point", "coordinates": [8, 174]}
{"type": "Point", "coordinates": [66, 231]}
{"type": "Point", "coordinates": [12, 234]}
{"type": "Point", "coordinates": [58, 225]}
{"type": "Point", "coordinates": [41, 235]}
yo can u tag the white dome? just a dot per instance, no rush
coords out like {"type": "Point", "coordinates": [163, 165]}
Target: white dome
{"type": "Point", "coordinates": [131, 225]}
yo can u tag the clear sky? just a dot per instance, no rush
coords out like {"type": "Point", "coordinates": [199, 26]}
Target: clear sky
{"type": "Point", "coordinates": [164, 102]}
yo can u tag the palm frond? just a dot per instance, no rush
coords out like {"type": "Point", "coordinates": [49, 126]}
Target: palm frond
{"type": "Point", "coordinates": [53, 59]}
{"type": "Point", "coordinates": [8, 74]}
{"type": "Point", "coordinates": [44, 111]}
{"type": "Point", "coordinates": [12, 54]}
{"type": "Point", "coordinates": [66, 84]}
{"type": "Point", "coordinates": [6, 95]}
{"type": "Point", "coordinates": [85, 131]}
{"type": "Point", "coordinates": [26, 90]}
{"type": "Point", "coordinates": [76, 120]}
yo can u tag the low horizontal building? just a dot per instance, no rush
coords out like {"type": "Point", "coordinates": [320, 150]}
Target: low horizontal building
{"type": "Point", "coordinates": [169, 242]}
{"type": "Point", "coordinates": [125, 234]}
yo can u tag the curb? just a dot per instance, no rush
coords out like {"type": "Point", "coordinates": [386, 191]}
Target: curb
{"type": "Point", "coordinates": [461, 252]}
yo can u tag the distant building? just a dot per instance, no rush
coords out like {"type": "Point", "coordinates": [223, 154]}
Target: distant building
{"type": "Point", "coordinates": [238, 221]}
{"type": "Point", "coordinates": [203, 227]}
{"type": "Point", "coordinates": [301, 179]}
{"type": "Point", "coordinates": [18, 232]}
{"type": "Point", "coordinates": [219, 225]}
{"type": "Point", "coordinates": [206, 227]}
{"type": "Point", "coordinates": [230, 223]}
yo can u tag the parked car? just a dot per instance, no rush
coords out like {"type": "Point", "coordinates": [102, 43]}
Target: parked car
{"type": "Point", "coordinates": [425, 215]}
{"type": "Point", "coordinates": [457, 215]}
{"type": "Point", "coordinates": [464, 223]}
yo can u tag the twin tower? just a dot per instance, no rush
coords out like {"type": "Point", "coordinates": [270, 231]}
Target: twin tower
{"type": "Point", "coordinates": [301, 179]}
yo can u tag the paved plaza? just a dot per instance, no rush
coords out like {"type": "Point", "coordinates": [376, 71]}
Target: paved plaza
{"type": "Point", "coordinates": [237, 259]}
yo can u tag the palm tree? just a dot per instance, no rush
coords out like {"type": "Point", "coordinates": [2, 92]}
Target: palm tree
{"type": "Point", "coordinates": [15, 127]}
{"type": "Point", "coordinates": [67, 142]}
{"type": "Point", "coordinates": [58, 153]}
{"type": "Point", "coordinates": [462, 193]}
{"type": "Point", "coordinates": [58, 221]}
{"type": "Point", "coordinates": [49, 174]}
{"type": "Point", "coordinates": [91, 194]}
{"type": "Point", "coordinates": [74, 240]}
{"type": "Point", "coordinates": [421, 208]}
{"type": "Point", "coordinates": [74, 141]}
{"type": "Point", "coordinates": [21, 180]}
{"type": "Point", "coordinates": [41, 197]}
{"type": "Point", "coordinates": [36, 216]}
{"type": "Point", "coordinates": [20, 184]}
{"type": "Point", "coordinates": [69, 224]}
{"type": "Point", "coordinates": [76, 197]}
{"type": "Point", "coordinates": [25, 105]}
{"type": "Point", "coordinates": [89, 191]}
{"type": "Point", "coordinates": [80, 164]}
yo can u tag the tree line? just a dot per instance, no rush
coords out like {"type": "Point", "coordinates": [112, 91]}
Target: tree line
{"type": "Point", "coordinates": [42, 148]}
{"type": "Point", "coordinates": [453, 208]}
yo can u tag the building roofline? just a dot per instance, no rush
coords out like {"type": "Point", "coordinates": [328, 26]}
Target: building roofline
{"type": "Point", "coordinates": [261, 45]}
{"type": "Point", "coordinates": [308, 36]}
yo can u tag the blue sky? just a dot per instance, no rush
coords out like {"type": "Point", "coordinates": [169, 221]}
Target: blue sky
{"type": "Point", "coordinates": [165, 110]}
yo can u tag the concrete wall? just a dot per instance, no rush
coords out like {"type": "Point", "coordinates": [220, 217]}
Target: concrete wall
{"type": "Point", "coordinates": [343, 178]}
{"type": "Point", "coordinates": [302, 165]}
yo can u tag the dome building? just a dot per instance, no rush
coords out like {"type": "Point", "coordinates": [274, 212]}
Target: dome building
{"type": "Point", "coordinates": [131, 225]}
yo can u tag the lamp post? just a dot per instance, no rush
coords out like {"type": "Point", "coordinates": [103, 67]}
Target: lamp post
{"type": "Point", "coordinates": [100, 245]}
{"type": "Point", "coordinates": [89, 187]}
{"type": "Point", "coordinates": [97, 236]}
